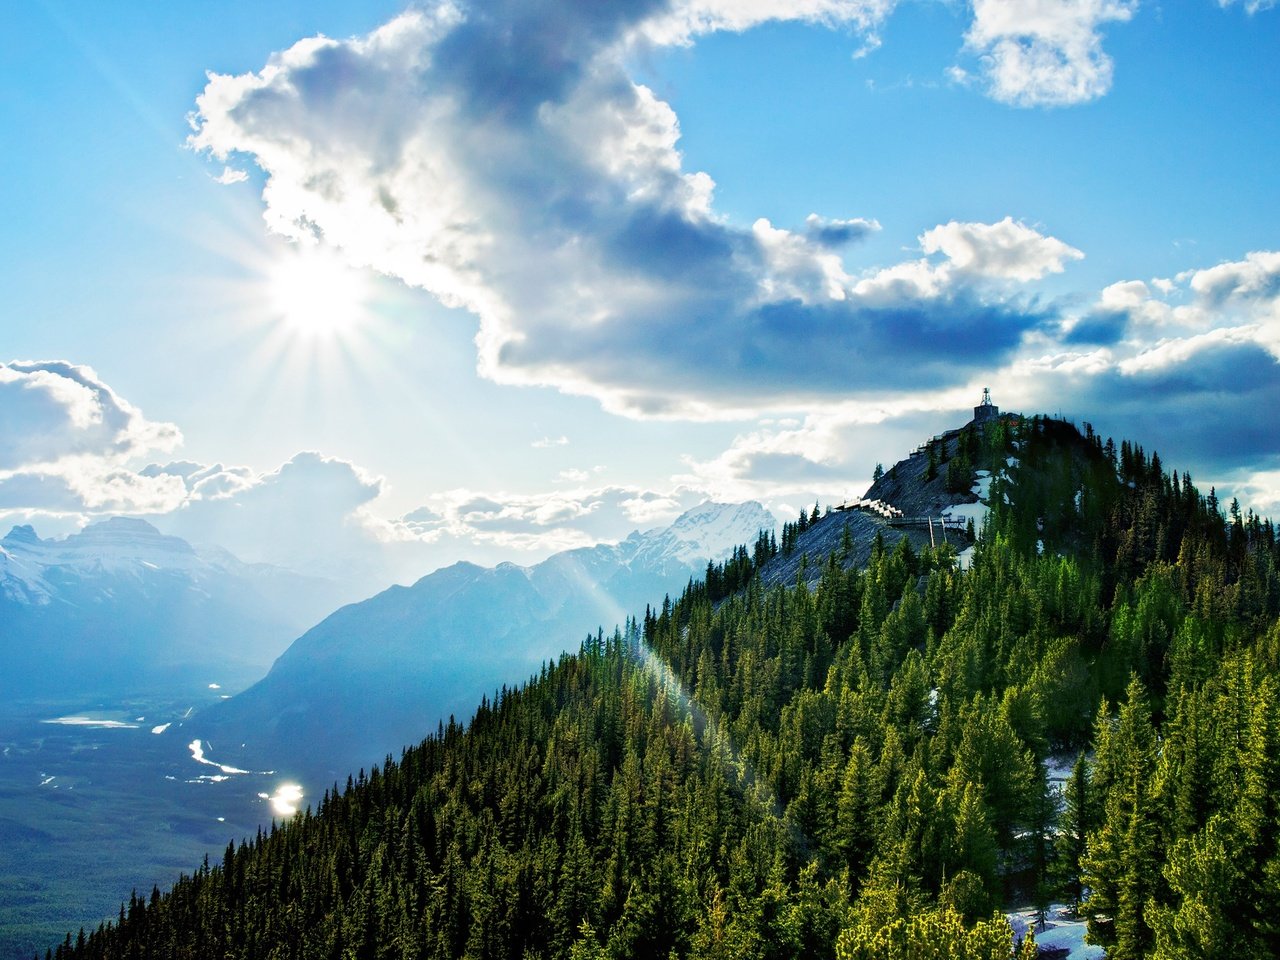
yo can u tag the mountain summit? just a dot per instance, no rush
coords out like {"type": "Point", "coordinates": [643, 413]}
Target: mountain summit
{"type": "Point", "coordinates": [706, 532]}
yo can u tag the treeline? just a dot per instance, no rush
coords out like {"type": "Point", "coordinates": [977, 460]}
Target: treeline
{"type": "Point", "coordinates": [856, 769]}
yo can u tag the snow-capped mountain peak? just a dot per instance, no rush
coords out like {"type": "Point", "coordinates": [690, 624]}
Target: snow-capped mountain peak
{"type": "Point", "coordinates": [708, 531]}
{"type": "Point", "coordinates": [120, 602]}
{"type": "Point", "coordinates": [115, 544]}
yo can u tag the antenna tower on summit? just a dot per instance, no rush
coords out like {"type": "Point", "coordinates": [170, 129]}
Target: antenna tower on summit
{"type": "Point", "coordinates": [986, 410]}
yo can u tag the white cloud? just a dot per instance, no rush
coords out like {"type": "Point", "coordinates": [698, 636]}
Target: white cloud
{"type": "Point", "coordinates": [1127, 303]}
{"type": "Point", "coordinates": [689, 18]}
{"type": "Point", "coordinates": [1174, 353]}
{"type": "Point", "coordinates": [1007, 250]}
{"type": "Point", "coordinates": [304, 515]}
{"type": "Point", "coordinates": [1236, 300]}
{"type": "Point", "coordinates": [1255, 279]}
{"type": "Point", "coordinates": [1190, 366]}
{"type": "Point", "coordinates": [52, 410]}
{"type": "Point", "coordinates": [1251, 6]}
{"type": "Point", "coordinates": [827, 456]}
{"type": "Point", "coordinates": [1124, 295]}
{"type": "Point", "coordinates": [1044, 52]}
{"type": "Point", "coordinates": [229, 176]}
{"type": "Point", "coordinates": [547, 442]}
{"type": "Point", "coordinates": [65, 440]}
{"type": "Point", "coordinates": [85, 487]}
{"type": "Point", "coordinates": [503, 160]}
{"type": "Point", "coordinates": [1259, 490]}
{"type": "Point", "coordinates": [490, 525]}
{"type": "Point", "coordinates": [793, 270]}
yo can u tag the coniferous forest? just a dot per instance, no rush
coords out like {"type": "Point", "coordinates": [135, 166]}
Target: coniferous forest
{"type": "Point", "coordinates": [852, 766]}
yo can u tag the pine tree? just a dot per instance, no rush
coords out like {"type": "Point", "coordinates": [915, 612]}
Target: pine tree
{"type": "Point", "coordinates": [1123, 862]}
{"type": "Point", "coordinates": [1074, 824]}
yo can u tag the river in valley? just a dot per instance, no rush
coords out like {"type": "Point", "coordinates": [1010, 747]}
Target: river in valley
{"type": "Point", "coordinates": [102, 797]}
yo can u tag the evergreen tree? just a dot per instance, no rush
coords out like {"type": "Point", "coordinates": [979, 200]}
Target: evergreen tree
{"type": "Point", "coordinates": [1074, 823]}
{"type": "Point", "coordinates": [1123, 862]}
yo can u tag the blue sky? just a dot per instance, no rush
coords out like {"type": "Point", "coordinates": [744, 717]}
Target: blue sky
{"type": "Point", "coordinates": [488, 282]}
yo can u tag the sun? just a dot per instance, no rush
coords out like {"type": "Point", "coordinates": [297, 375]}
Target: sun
{"type": "Point", "coordinates": [316, 295]}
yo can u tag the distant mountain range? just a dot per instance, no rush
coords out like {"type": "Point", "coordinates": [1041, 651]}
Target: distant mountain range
{"type": "Point", "coordinates": [120, 607]}
{"type": "Point", "coordinates": [380, 674]}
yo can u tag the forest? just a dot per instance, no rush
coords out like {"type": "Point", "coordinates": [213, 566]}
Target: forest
{"type": "Point", "coordinates": [855, 765]}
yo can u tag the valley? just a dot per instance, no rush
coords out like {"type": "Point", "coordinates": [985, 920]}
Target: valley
{"type": "Point", "coordinates": [97, 807]}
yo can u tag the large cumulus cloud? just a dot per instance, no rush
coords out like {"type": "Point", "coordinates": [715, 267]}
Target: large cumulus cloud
{"type": "Point", "coordinates": [65, 440]}
{"type": "Point", "coordinates": [306, 514]}
{"type": "Point", "coordinates": [500, 156]}
{"type": "Point", "coordinates": [1190, 365]}
{"type": "Point", "coordinates": [51, 410]}
{"type": "Point", "coordinates": [1197, 366]}
{"type": "Point", "coordinates": [72, 444]}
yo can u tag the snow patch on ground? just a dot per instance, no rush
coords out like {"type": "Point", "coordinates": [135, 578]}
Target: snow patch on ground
{"type": "Point", "coordinates": [965, 558]}
{"type": "Point", "coordinates": [1061, 931]}
{"type": "Point", "coordinates": [977, 512]}
{"type": "Point", "coordinates": [91, 722]}
{"type": "Point", "coordinates": [1058, 767]}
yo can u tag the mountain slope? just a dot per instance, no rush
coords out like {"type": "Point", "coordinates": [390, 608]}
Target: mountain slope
{"type": "Point", "coordinates": [378, 675]}
{"type": "Point", "coordinates": [857, 769]}
{"type": "Point", "coordinates": [120, 606]}
{"type": "Point", "coordinates": [947, 480]}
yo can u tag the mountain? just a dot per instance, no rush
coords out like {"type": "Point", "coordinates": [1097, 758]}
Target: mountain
{"type": "Point", "coordinates": [925, 499]}
{"type": "Point", "coordinates": [120, 606]}
{"type": "Point", "coordinates": [867, 765]}
{"type": "Point", "coordinates": [377, 675]}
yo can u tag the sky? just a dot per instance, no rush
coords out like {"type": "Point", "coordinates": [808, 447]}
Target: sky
{"type": "Point", "coordinates": [365, 289]}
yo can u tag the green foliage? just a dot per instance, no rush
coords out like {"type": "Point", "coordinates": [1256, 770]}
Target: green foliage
{"type": "Point", "coordinates": [854, 767]}
{"type": "Point", "coordinates": [959, 473]}
{"type": "Point", "coordinates": [935, 935]}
